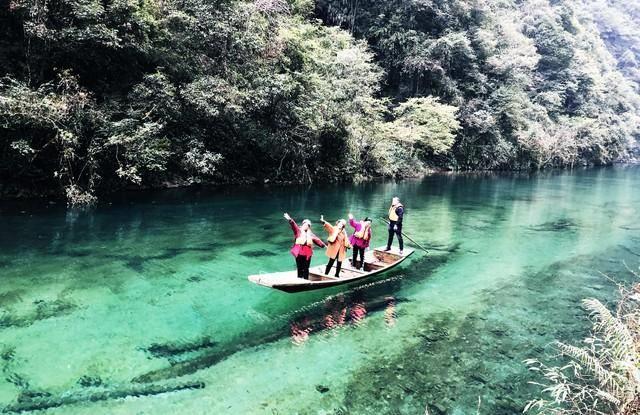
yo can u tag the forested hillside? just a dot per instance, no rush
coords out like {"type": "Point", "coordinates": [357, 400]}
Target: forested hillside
{"type": "Point", "coordinates": [535, 87]}
{"type": "Point", "coordinates": [98, 95]}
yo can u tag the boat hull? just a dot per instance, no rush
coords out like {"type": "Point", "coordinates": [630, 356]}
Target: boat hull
{"type": "Point", "coordinates": [376, 262]}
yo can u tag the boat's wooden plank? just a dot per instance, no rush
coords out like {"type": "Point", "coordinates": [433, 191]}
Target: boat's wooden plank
{"type": "Point", "coordinates": [315, 276]}
{"type": "Point", "coordinates": [386, 257]}
{"type": "Point", "coordinates": [350, 273]}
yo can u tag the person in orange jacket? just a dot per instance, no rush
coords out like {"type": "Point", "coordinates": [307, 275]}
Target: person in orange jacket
{"type": "Point", "coordinates": [302, 248]}
{"type": "Point", "coordinates": [338, 243]}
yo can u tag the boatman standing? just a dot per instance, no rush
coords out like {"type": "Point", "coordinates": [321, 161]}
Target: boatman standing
{"type": "Point", "coordinates": [396, 212]}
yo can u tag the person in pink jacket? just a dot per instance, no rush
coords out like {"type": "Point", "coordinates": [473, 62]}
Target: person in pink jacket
{"type": "Point", "coordinates": [359, 239]}
{"type": "Point", "coordinates": [302, 249]}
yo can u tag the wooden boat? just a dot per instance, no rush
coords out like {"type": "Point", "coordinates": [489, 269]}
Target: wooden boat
{"type": "Point", "coordinates": [375, 262]}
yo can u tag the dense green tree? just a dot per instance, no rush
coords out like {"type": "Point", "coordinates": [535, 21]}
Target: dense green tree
{"type": "Point", "coordinates": [98, 95]}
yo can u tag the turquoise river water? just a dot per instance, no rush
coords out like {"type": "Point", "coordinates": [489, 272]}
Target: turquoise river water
{"type": "Point", "coordinates": [142, 305]}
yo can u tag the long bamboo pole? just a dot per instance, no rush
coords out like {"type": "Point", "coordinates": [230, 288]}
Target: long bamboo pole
{"type": "Point", "coordinates": [408, 237]}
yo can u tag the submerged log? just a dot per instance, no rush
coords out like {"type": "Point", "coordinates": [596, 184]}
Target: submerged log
{"type": "Point", "coordinates": [172, 349]}
{"type": "Point", "coordinates": [206, 360]}
{"type": "Point", "coordinates": [99, 394]}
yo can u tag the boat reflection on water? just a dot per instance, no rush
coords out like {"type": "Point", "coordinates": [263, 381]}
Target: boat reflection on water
{"type": "Point", "coordinates": [390, 314]}
{"type": "Point", "coordinates": [341, 311]}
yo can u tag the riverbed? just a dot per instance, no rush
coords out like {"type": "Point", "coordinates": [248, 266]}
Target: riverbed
{"type": "Point", "coordinates": [149, 292]}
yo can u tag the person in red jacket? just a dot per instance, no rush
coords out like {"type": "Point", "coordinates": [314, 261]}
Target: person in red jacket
{"type": "Point", "coordinates": [302, 249]}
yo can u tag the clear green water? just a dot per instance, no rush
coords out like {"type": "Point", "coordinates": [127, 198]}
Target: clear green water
{"type": "Point", "coordinates": [153, 290]}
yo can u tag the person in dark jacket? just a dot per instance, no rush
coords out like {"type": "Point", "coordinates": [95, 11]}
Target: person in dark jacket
{"type": "Point", "coordinates": [396, 213]}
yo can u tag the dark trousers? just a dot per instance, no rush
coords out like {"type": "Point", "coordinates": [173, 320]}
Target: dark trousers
{"type": "Point", "coordinates": [398, 232]}
{"type": "Point", "coordinates": [330, 264]}
{"type": "Point", "coordinates": [357, 251]}
{"type": "Point", "coordinates": [302, 264]}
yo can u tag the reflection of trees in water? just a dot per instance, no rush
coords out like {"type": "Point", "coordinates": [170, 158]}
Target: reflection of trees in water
{"type": "Point", "coordinates": [341, 311]}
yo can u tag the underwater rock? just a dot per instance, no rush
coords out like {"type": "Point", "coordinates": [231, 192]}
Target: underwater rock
{"type": "Point", "coordinates": [450, 248]}
{"type": "Point", "coordinates": [8, 353]}
{"type": "Point", "coordinates": [555, 226]}
{"type": "Point", "coordinates": [257, 253]}
{"type": "Point", "coordinates": [89, 381]}
{"type": "Point", "coordinates": [478, 378]}
{"type": "Point", "coordinates": [44, 310]}
{"type": "Point", "coordinates": [439, 409]}
{"type": "Point", "coordinates": [29, 395]}
{"type": "Point", "coordinates": [48, 309]}
{"type": "Point", "coordinates": [499, 332]}
{"type": "Point", "coordinates": [11, 297]}
{"type": "Point", "coordinates": [433, 335]}
{"type": "Point", "coordinates": [19, 381]}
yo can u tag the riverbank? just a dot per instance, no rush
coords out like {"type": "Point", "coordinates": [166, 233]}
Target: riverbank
{"type": "Point", "coordinates": [53, 196]}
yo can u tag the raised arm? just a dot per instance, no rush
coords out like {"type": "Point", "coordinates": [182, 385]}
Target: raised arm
{"type": "Point", "coordinates": [355, 225]}
{"type": "Point", "coordinates": [293, 224]}
{"type": "Point", "coordinates": [326, 225]}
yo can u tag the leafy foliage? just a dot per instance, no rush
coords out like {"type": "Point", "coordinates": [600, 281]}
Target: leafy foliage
{"type": "Point", "coordinates": [100, 95]}
{"type": "Point", "coordinates": [534, 82]}
{"type": "Point", "coordinates": [426, 123]}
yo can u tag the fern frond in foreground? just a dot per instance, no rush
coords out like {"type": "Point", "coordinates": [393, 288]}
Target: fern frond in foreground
{"type": "Point", "coordinates": [601, 376]}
